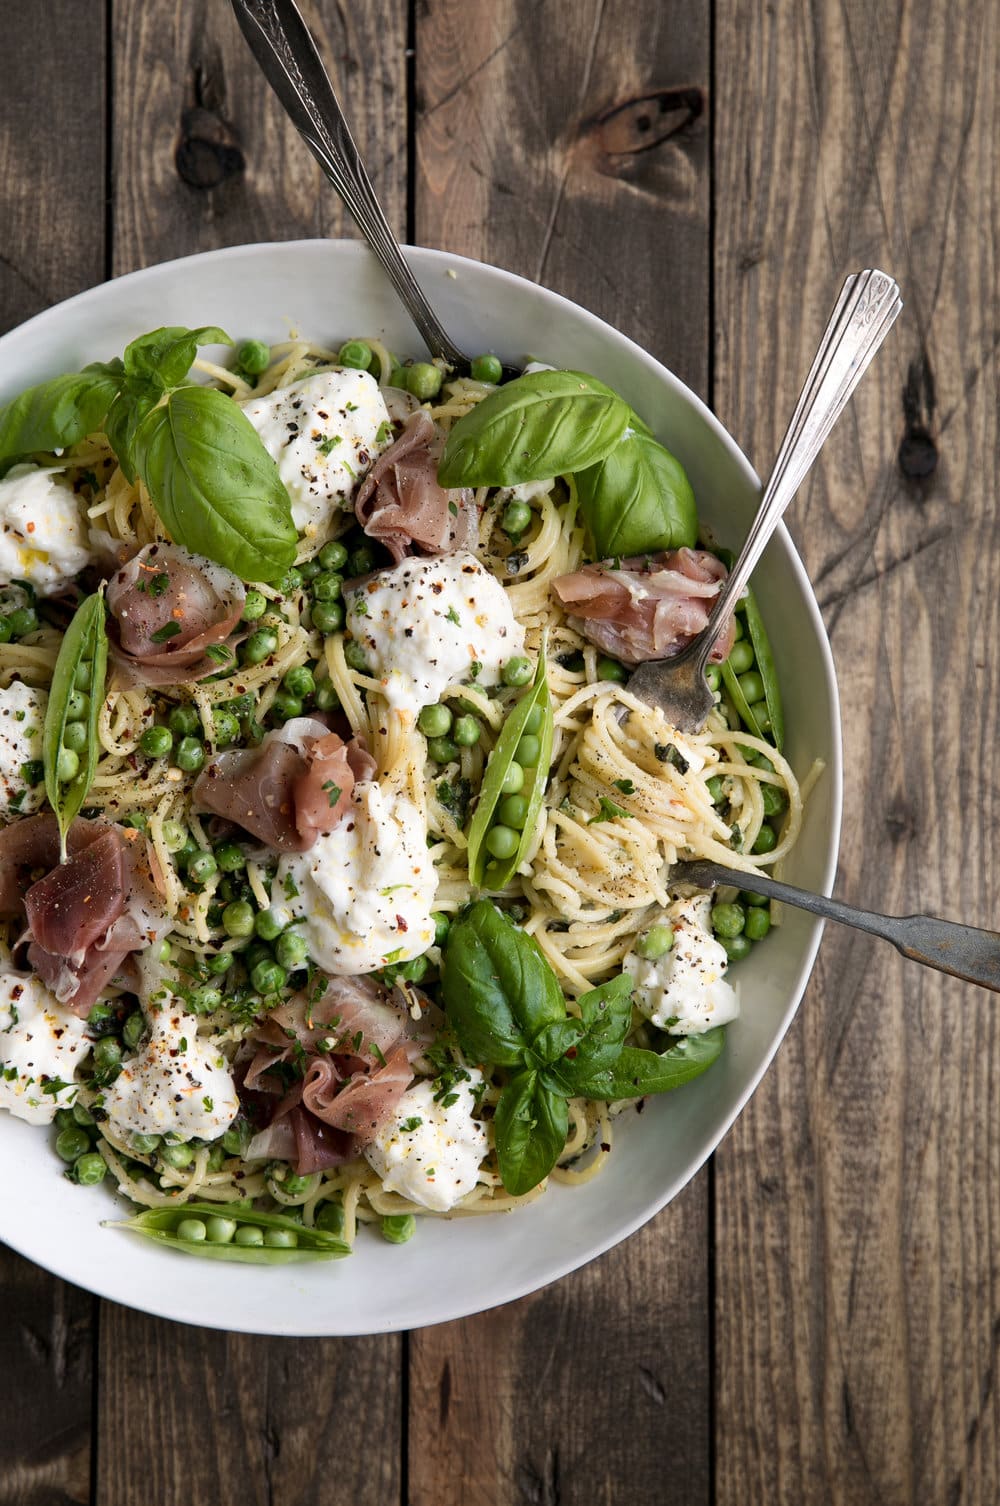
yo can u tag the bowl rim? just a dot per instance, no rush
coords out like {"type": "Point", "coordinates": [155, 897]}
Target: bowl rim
{"type": "Point", "coordinates": [430, 260]}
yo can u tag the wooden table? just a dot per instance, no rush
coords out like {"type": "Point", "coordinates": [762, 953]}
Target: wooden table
{"type": "Point", "coordinates": [817, 1317]}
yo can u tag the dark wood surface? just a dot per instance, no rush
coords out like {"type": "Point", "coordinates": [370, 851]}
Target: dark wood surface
{"type": "Point", "coordinates": [817, 1317]}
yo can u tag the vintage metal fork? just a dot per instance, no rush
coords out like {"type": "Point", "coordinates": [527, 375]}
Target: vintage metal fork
{"type": "Point", "coordinates": [865, 311]}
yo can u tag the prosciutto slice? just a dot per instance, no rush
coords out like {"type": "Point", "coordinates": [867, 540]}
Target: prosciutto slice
{"type": "Point", "coordinates": [649, 607]}
{"type": "Point", "coordinates": [168, 607]}
{"type": "Point", "coordinates": [296, 785]}
{"type": "Point", "coordinates": [401, 503]}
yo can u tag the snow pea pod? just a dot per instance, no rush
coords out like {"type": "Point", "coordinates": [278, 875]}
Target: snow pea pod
{"type": "Point", "coordinates": [739, 700]}
{"type": "Point", "coordinates": [765, 665]}
{"type": "Point", "coordinates": [162, 1224]}
{"type": "Point", "coordinates": [83, 659]}
{"type": "Point", "coordinates": [484, 866]}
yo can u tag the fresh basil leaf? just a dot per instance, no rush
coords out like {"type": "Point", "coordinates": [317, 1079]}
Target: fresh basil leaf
{"type": "Point", "coordinates": [606, 1017]}
{"type": "Point", "coordinates": [540, 425]}
{"type": "Point", "coordinates": [124, 417]}
{"type": "Point", "coordinates": [637, 499]}
{"type": "Point", "coordinates": [58, 413]}
{"type": "Point", "coordinates": [529, 1128]}
{"type": "Point", "coordinates": [498, 991]}
{"type": "Point", "coordinates": [166, 355]}
{"type": "Point", "coordinates": [637, 1073]}
{"type": "Point", "coordinates": [214, 484]}
{"type": "Point", "coordinates": [84, 645]}
{"type": "Point", "coordinates": [555, 1040]}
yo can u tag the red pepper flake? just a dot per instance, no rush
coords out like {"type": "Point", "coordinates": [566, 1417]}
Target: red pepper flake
{"type": "Point", "coordinates": [401, 924]}
{"type": "Point", "coordinates": [31, 527]}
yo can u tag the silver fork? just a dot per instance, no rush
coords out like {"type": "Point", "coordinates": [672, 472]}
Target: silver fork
{"type": "Point", "coordinates": [865, 311]}
{"type": "Point", "coordinates": [283, 46]}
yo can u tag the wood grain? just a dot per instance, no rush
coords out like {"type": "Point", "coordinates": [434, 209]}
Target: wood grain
{"type": "Point", "coordinates": [857, 1215]}
{"type": "Point", "coordinates": [568, 142]}
{"type": "Point", "coordinates": [51, 198]}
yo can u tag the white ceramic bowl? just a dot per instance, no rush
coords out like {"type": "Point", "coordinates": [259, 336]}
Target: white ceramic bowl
{"type": "Point", "coordinates": [331, 290]}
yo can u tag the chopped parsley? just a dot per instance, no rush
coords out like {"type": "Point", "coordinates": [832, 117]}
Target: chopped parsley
{"type": "Point", "coordinates": [291, 887]}
{"type": "Point", "coordinates": [409, 1125]}
{"type": "Point", "coordinates": [608, 812]}
{"type": "Point", "coordinates": [168, 630]}
{"type": "Point", "coordinates": [330, 443]}
{"type": "Point", "coordinates": [625, 785]}
{"type": "Point", "coordinates": [156, 585]}
{"type": "Point", "coordinates": [219, 653]}
{"type": "Point", "coordinates": [333, 793]}
{"type": "Point", "coordinates": [455, 795]}
{"type": "Point", "coordinates": [383, 432]}
{"type": "Point", "coordinates": [453, 616]}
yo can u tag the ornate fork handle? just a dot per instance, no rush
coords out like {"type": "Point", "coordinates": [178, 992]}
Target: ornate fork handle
{"type": "Point", "coordinates": [282, 45]}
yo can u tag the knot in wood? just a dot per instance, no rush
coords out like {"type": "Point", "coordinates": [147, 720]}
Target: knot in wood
{"type": "Point", "coordinates": [208, 151]}
{"type": "Point", "coordinates": [901, 820]}
{"type": "Point", "coordinates": [641, 124]}
{"type": "Point", "coordinates": [918, 453]}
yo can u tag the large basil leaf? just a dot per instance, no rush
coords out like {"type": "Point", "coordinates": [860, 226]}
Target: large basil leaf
{"type": "Point", "coordinates": [214, 485]}
{"type": "Point", "coordinates": [637, 1073]}
{"type": "Point", "coordinates": [606, 1016]}
{"type": "Point", "coordinates": [498, 991]}
{"type": "Point", "coordinates": [540, 425]}
{"type": "Point", "coordinates": [58, 413]}
{"type": "Point", "coordinates": [166, 355]}
{"type": "Point", "coordinates": [637, 499]}
{"type": "Point", "coordinates": [124, 417]}
{"type": "Point", "coordinates": [529, 1129]}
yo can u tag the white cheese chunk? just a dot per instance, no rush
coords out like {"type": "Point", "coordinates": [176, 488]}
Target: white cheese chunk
{"type": "Point", "coordinates": [43, 529]}
{"type": "Point", "coordinates": [22, 717]}
{"type": "Point", "coordinates": [41, 1045]}
{"type": "Point", "coordinates": [430, 1152]}
{"type": "Point", "coordinates": [178, 1084]}
{"type": "Point", "coordinates": [324, 432]}
{"type": "Point", "coordinates": [365, 890]}
{"type": "Point", "coordinates": [426, 624]}
{"type": "Point", "coordinates": [685, 990]}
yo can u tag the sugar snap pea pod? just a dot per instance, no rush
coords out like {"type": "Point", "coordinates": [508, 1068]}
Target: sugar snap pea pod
{"type": "Point", "coordinates": [765, 665]}
{"type": "Point", "coordinates": [739, 700]}
{"type": "Point", "coordinates": [83, 660]}
{"type": "Point", "coordinates": [162, 1224]}
{"type": "Point", "coordinates": [500, 760]}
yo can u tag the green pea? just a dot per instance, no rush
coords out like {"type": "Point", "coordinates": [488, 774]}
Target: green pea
{"type": "Point", "coordinates": [533, 721]}
{"type": "Point", "coordinates": [72, 1143]}
{"type": "Point", "coordinates": [205, 999]}
{"type": "Point", "coordinates": [107, 1059]}
{"type": "Point", "coordinates": [741, 657]}
{"type": "Point", "coordinates": [290, 582]}
{"type": "Point", "coordinates": [230, 858]}
{"type": "Point", "coordinates": [356, 354]}
{"type": "Point", "coordinates": [177, 1156]}
{"type": "Point", "coordinates": [414, 971]}
{"type": "Point", "coordinates": [133, 1029]}
{"type": "Point", "coordinates": [100, 1016]}
{"type": "Point", "coordinates": [23, 620]}
{"type": "Point", "coordinates": [64, 1119]}
{"type": "Point", "coordinates": [192, 1230]}
{"type": "Point", "coordinates": [775, 799]}
{"type": "Point", "coordinates": [328, 586]}
{"type": "Point", "coordinates": [423, 380]}
{"type": "Point", "coordinates": [237, 918]}
{"type": "Point", "coordinates": [736, 947]}
{"type": "Point", "coordinates": [759, 760]}
{"type": "Point", "coordinates": [174, 836]}
{"type": "Point", "coordinates": [397, 375]}
{"type": "Point", "coordinates": [82, 1115]}
{"type": "Point", "coordinates": [331, 1218]}
{"type": "Point", "coordinates": [328, 617]}
{"type": "Point", "coordinates": [257, 951]}
{"type": "Point", "coordinates": [502, 841]}
{"type": "Point", "coordinates": [655, 943]}
{"type": "Point", "coordinates": [75, 737]}
{"type": "Point", "coordinates": [285, 707]}
{"type": "Point", "coordinates": [202, 867]}
{"type": "Point", "coordinates": [183, 721]}
{"type": "Point", "coordinates": [442, 749]}
{"type": "Point", "coordinates": [758, 924]}
{"type": "Point", "coordinates": [300, 681]}
{"type": "Point", "coordinates": [295, 1186]}
{"type": "Point", "coordinates": [333, 556]}
{"type": "Point", "coordinates": [187, 852]}
{"type": "Point", "coordinates": [156, 742]}
{"type": "Point", "coordinates": [267, 926]}
{"type": "Point", "coordinates": [248, 1235]}
{"type": "Point", "coordinates": [219, 964]}
{"type": "Point", "coordinates": [67, 765]}
{"type": "Point", "coordinates": [512, 811]}
{"type": "Point", "coordinates": [486, 369]}
{"type": "Point", "coordinates": [216, 1158]}
{"type": "Point", "coordinates": [715, 789]}
{"type": "Point", "coordinates": [610, 669]}
{"type": "Point", "coordinates": [219, 1230]}
{"type": "Point", "coordinates": [761, 715]}
{"type": "Point", "coordinates": [713, 677]}
{"type": "Point", "coordinates": [254, 606]}
{"type": "Point", "coordinates": [226, 727]}
{"type": "Point", "coordinates": [466, 731]}
{"type": "Point", "coordinates": [766, 839]}
{"type": "Point", "coordinates": [528, 751]}
{"type": "Point", "coordinates": [749, 897]}
{"type": "Point", "coordinates": [268, 978]}
{"type": "Point", "coordinates": [728, 920]}
{"type": "Point", "coordinates": [513, 780]}
{"type": "Point", "coordinates": [738, 629]}
{"type": "Point", "coordinates": [442, 925]}
{"type": "Point", "coordinates": [236, 1138]}
{"type": "Point", "coordinates": [78, 706]}
{"type": "Point", "coordinates": [309, 569]}
{"type": "Point", "coordinates": [281, 1239]}
{"type": "Point", "coordinates": [515, 519]}
{"type": "Point", "coordinates": [189, 755]}
{"type": "Point", "coordinates": [291, 950]}
{"type": "Point", "coordinates": [752, 686]}
{"type": "Point", "coordinates": [89, 1170]}
{"type": "Point", "coordinates": [326, 697]}
{"type": "Point", "coordinates": [6, 631]}
{"type": "Point", "coordinates": [517, 671]}
{"type": "Point", "coordinates": [397, 1228]}
{"type": "Point", "coordinates": [434, 721]}
{"type": "Point", "coordinates": [143, 1145]}
{"type": "Point", "coordinates": [259, 646]}
{"type": "Point", "coordinates": [254, 356]}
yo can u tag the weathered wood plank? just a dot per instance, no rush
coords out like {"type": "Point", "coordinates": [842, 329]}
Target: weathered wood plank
{"type": "Point", "coordinates": [858, 1309]}
{"type": "Point", "coordinates": [206, 157]}
{"type": "Point", "coordinates": [51, 197]}
{"type": "Point", "coordinates": [568, 142]}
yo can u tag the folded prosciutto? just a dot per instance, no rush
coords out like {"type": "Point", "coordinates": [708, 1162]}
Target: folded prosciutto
{"type": "Point", "coordinates": [401, 503]}
{"type": "Point", "coordinates": [168, 607]}
{"type": "Point", "coordinates": [296, 785]}
{"type": "Point", "coordinates": [649, 607]}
